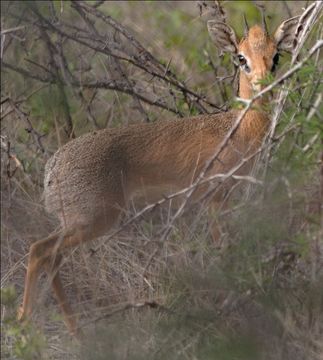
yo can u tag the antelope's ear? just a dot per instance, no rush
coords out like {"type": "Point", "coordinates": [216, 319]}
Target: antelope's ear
{"type": "Point", "coordinates": [223, 36]}
{"type": "Point", "coordinates": [287, 33]}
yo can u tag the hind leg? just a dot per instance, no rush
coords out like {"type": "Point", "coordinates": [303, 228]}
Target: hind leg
{"type": "Point", "coordinates": [52, 270]}
{"type": "Point", "coordinates": [36, 261]}
{"type": "Point", "coordinates": [42, 255]}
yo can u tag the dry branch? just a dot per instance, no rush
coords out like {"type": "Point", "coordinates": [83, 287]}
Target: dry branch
{"type": "Point", "coordinates": [134, 53]}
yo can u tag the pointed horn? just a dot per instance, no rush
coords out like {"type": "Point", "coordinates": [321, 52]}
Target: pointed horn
{"type": "Point", "coordinates": [246, 26]}
{"type": "Point", "coordinates": [263, 17]}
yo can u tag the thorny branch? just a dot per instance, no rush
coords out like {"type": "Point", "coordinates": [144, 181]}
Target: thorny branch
{"type": "Point", "coordinates": [118, 85]}
{"type": "Point", "coordinates": [56, 67]}
{"type": "Point", "coordinates": [283, 93]}
{"type": "Point", "coordinates": [282, 96]}
{"type": "Point", "coordinates": [30, 129]}
{"type": "Point", "coordinates": [126, 51]}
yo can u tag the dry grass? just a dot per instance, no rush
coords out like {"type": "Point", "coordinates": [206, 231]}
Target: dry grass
{"type": "Point", "coordinates": [260, 298]}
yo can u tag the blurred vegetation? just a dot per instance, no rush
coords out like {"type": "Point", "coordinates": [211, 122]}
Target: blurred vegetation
{"type": "Point", "coordinates": [261, 296]}
{"type": "Point", "coordinates": [24, 341]}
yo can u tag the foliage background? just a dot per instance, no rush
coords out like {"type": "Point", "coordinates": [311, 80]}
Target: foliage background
{"type": "Point", "coordinates": [139, 297]}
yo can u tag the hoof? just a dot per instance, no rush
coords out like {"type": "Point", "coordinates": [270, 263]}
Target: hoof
{"type": "Point", "coordinates": [78, 335]}
{"type": "Point", "coordinates": [21, 314]}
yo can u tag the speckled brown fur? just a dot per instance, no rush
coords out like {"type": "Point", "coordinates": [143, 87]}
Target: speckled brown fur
{"type": "Point", "coordinates": [106, 168]}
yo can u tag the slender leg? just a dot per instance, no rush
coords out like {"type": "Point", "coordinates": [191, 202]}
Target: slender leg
{"type": "Point", "coordinates": [215, 227]}
{"type": "Point", "coordinates": [35, 263]}
{"type": "Point", "coordinates": [53, 274]}
{"type": "Point", "coordinates": [40, 256]}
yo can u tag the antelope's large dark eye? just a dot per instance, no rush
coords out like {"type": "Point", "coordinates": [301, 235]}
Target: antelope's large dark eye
{"type": "Point", "coordinates": [275, 62]}
{"type": "Point", "coordinates": [243, 63]}
{"type": "Point", "coordinates": [242, 60]}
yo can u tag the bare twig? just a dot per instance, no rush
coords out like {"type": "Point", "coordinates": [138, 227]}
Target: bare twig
{"type": "Point", "coordinates": [35, 134]}
{"type": "Point", "coordinates": [140, 60]}
{"type": "Point", "coordinates": [11, 30]}
{"type": "Point", "coordinates": [303, 36]}
{"type": "Point", "coordinates": [128, 306]}
{"type": "Point", "coordinates": [116, 85]}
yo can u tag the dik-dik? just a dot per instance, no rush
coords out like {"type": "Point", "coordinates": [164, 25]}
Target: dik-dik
{"type": "Point", "coordinates": [90, 180]}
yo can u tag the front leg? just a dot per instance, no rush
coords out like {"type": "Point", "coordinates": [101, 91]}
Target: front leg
{"type": "Point", "coordinates": [216, 224]}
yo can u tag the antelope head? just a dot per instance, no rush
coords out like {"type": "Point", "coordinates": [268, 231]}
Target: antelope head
{"type": "Point", "coordinates": [257, 52]}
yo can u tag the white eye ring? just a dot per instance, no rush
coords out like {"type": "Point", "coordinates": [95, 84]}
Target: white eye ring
{"type": "Point", "coordinates": [243, 63]}
{"type": "Point", "coordinates": [242, 60]}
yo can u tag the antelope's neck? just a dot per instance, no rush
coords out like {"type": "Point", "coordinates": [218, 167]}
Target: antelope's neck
{"type": "Point", "coordinates": [256, 121]}
{"type": "Point", "coordinates": [246, 91]}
